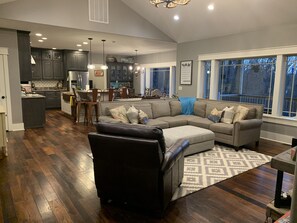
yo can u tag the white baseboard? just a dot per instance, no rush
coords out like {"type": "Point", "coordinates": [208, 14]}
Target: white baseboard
{"type": "Point", "coordinates": [18, 127]}
{"type": "Point", "coordinates": [276, 137]}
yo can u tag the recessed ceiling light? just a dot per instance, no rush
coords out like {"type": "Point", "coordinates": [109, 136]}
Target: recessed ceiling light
{"type": "Point", "coordinates": [210, 7]}
{"type": "Point", "coordinates": [38, 34]}
{"type": "Point", "coordinates": [40, 40]}
{"type": "Point", "coordinates": [85, 43]}
{"type": "Point", "coordinates": [78, 45]}
{"type": "Point", "coordinates": [44, 38]}
{"type": "Point", "coordinates": [80, 49]}
{"type": "Point", "coordinates": [54, 48]}
{"type": "Point", "coordinates": [176, 17]}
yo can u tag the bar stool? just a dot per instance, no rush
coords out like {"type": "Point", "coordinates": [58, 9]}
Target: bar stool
{"type": "Point", "coordinates": [93, 103]}
{"type": "Point", "coordinates": [79, 103]}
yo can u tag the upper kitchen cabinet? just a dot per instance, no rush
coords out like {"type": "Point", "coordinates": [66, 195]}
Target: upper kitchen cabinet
{"type": "Point", "coordinates": [48, 64]}
{"type": "Point", "coordinates": [119, 75]}
{"type": "Point", "coordinates": [37, 67]}
{"type": "Point", "coordinates": [76, 60]}
{"type": "Point", "coordinates": [24, 51]}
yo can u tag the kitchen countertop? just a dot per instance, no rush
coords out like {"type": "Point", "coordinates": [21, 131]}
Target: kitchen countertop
{"type": "Point", "coordinates": [33, 96]}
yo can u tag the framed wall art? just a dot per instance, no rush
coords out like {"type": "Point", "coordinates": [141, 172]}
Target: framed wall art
{"type": "Point", "coordinates": [98, 73]}
{"type": "Point", "coordinates": [186, 72]}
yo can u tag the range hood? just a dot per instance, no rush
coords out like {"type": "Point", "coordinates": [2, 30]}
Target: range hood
{"type": "Point", "coordinates": [32, 60]}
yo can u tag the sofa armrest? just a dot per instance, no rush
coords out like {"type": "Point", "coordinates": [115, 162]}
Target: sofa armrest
{"type": "Point", "coordinates": [248, 124]}
{"type": "Point", "coordinates": [174, 153]}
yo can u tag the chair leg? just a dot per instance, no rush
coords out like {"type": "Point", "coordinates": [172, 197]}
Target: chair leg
{"type": "Point", "coordinates": [77, 112]}
{"type": "Point", "coordinates": [96, 112]}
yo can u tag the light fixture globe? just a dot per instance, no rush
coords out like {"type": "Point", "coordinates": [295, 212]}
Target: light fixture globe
{"type": "Point", "coordinates": [169, 3]}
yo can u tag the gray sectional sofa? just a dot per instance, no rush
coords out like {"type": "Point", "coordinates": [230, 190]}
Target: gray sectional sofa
{"type": "Point", "coordinates": [167, 114]}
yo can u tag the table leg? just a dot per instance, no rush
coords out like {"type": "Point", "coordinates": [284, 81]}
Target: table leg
{"type": "Point", "coordinates": [279, 201]}
{"type": "Point", "coordinates": [278, 189]}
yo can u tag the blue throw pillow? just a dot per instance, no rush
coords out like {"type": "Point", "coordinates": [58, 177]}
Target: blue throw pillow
{"type": "Point", "coordinates": [214, 118]}
{"type": "Point", "coordinates": [187, 105]}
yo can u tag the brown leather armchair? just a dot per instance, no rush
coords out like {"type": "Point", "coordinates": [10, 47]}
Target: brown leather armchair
{"type": "Point", "coordinates": [132, 165]}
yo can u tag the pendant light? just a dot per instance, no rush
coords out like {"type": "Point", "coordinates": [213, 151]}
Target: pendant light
{"type": "Point", "coordinates": [135, 68]}
{"type": "Point", "coordinates": [90, 66]}
{"type": "Point", "coordinates": [104, 66]}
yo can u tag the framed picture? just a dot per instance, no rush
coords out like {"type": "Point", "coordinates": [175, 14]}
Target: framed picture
{"type": "Point", "coordinates": [186, 72]}
{"type": "Point", "coordinates": [98, 73]}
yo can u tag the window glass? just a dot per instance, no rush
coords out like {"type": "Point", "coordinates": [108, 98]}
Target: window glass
{"type": "Point", "coordinates": [290, 96]}
{"type": "Point", "coordinates": [207, 71]}
{"type": "Point", "coordinates": [160, 79]}
{"type": "Point", "coordinates": [248, 80]}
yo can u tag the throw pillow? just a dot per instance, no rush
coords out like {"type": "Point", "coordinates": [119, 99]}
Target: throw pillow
{"type": "Point", "coordinates": [228, 115]}
{"type": "Point", "coordinates": [132, 115]}
{"type": "Point", "coordinates": [214, 118]}
{"type": "Point", "coordinates": [143, 117]}
{"type": "Point", "coordinates": [119, 113]}
{"type": "Point", "coordinates": [241, 113]}
{"type": "Point", "coordinates": [252, 113]}
{"type": "Point", "coordinates": [216, 112]}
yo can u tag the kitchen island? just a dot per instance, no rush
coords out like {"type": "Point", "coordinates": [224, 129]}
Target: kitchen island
{"type": "Point", "coordinates": [33, 106]}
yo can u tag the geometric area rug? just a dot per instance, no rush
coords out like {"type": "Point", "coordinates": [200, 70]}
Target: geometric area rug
{"type": "Point", "coordinates": [207, 168]}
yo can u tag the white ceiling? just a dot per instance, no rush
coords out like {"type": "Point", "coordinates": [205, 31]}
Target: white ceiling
{"type": "Point", "coordinates": [229, 17]}
{"type": "Point", "coordinates": [196, 22]}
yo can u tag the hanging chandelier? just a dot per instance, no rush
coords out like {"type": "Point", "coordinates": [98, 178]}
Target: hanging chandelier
{"type": "Point", "coordinates": [169, 3]}
{"type": "Point", "coordinates": [135, 68]}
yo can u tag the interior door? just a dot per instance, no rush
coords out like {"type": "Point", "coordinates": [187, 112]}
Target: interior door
{"type": "Point", "coordinates": [3, 96]}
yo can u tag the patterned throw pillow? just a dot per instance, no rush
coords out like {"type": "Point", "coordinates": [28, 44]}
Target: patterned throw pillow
{"type": "Point", "coordinates": [143, 117]}
{"type": "Point", "coordinates": [214, 118]}
{"type": "Point", "coordinates": [119, 113]}
{"type": "Point", "coordinates": [216, 112]}
{"type": "Point", "coordinates": [228, 115]}
{"type": "Point", "coordinates": [132, 115]}
{"type": "Point", "coordinates": [241, 113]}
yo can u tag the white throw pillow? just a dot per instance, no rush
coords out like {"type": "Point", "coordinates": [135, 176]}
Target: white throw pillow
{"type": "Point", "coordinates": [132, 115]}
{"type": "Point", "coordinates": [241, 113]}
{"type": "Point", "coordinates": [119, 113]}
{"type": "Point", "coordinates": [228, 115]}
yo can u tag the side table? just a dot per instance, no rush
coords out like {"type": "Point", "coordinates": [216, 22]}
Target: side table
{"type": "Point", "coordinates": [283, 163]}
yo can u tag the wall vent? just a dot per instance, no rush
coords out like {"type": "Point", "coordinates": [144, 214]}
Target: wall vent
{"type": "Point", "coordinates": [98, 11]}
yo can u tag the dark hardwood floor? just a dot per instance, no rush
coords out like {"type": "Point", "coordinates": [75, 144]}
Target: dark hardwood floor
{"type": "Point", "coordinates": [48, 177]}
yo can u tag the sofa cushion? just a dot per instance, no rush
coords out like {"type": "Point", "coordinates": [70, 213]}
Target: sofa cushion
{"type": "Point", "coordinates": [174, 121]}
{"type": "Point", "coordinates": [159, 123]}
{"type": "Point", "coordinates": [228, 115]}
{"type": "Point", "coordinates": [200, 122]}
{"type": "Point", "coordinates": [222, 128]}
{"type": "Point", "coordinates": [132, 115]}
{"type": "Point", "coordinates": [241, 113]}
{"type": "Point", "coordinates": [146, 108]}
{"type": "Point", "coordinates": [119, 113]}
{"type": "Point", "coordinates": [108, 119]}
{"type": "Point", "coordinates": [186, 117]}
{"type": "Point", "coordinates": [252, 113]}
{"type": "Point", "coordinates": [143, 117]}
{"type": "Point", "coordinates": [175, 108]}
{"type": "Point", "coordinates": [200, 109]}
{"type": "Point", "coordinates": [160, 109]}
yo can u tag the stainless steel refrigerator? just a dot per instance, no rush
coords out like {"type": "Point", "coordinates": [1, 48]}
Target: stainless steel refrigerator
{"type": "Point", "coordinates": [78, 80]}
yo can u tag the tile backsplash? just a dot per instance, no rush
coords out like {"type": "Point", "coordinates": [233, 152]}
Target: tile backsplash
{"type": "Point", "coordinates": [45, 84]}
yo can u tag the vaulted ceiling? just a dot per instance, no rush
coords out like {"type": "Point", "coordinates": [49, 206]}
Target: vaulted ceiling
{"type": "Point", "coordinates": [196, 22]}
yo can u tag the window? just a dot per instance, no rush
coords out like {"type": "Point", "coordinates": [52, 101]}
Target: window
{"type": "Point", "coordinates": [160, 79]}
{"type": "Point", "coordinates": [207, 69]}
{"type": "Point", "coordinates": [248, 80]}
{"type": "Point", "coordinates": [290, 96]}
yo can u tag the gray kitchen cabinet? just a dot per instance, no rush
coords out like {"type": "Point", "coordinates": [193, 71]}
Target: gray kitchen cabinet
{"type": "Point", "coordinates": [119, 75]}
{"type": "Point", "coordinates": [76, 60]}
{"type": "Point", "coordinates": [24, 51]}
{"type": "Point", "coordinates": [52, 98]}
{"type": "Point", "coordinates": [49, 64]}
{"type": "Point", "coordinates": [33, 112]}
{"type": "Point", "coordinates": [37, 67]}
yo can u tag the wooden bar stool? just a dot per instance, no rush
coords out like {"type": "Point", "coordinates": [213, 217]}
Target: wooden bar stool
{"type": "Point", "coordinates": [93, 103]}
{"type": "Point", "coordinates": [78, 105]}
